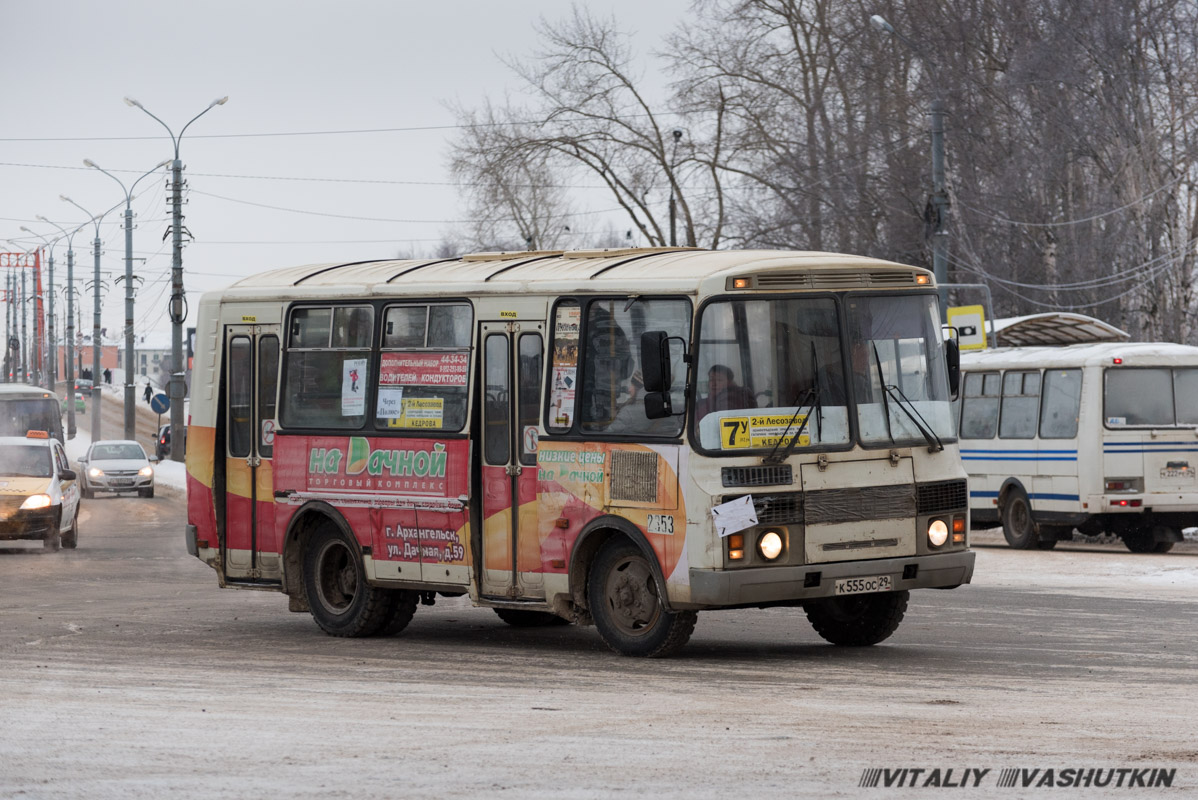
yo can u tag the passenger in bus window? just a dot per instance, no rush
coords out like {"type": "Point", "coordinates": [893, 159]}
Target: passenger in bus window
{"type": "Point", "coordinates": [723, 393]}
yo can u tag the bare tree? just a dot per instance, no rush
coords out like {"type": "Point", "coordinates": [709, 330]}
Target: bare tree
{"type": "Point", "coordinates": [516, 197]}
{"type": "Point", "coordinates": [590, 115]}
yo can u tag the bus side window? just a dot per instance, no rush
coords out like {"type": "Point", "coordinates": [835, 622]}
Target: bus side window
{"type": "Point", "coordinates": [325, 368]}
{"type": "Point", "coordinates": [613, 399]}
{"type": "Point", "coordinates": [979, 405]}
{"type": "Point", "coordinates": [563, 370]}
{"type": "Point", "coordinates": [1020, 402]}
{"type": "Point", "coordinates": [1062, 400]}
{"type": "Point", "coordinates": [528, 378]}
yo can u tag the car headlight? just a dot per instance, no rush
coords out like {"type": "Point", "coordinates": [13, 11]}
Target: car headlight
{"type": "Point", "coordinates": [146, 471]}
{"type": "Point", "coordinates": [95, 472]}
{"type": "Point", "coordinates": [770, 545]}
{"type": "Point", "coordinates": [36, 501]}
{"type": "Point", "coordinates": [937, 533]}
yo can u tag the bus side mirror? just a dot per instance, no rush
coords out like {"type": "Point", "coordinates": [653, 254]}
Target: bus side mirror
{"type": "Point", "coordinates": [656, 369]}
{"type": "Point", "coordinates": [657, 405]}
{"type": "Point", "coordinates": [952, 359]}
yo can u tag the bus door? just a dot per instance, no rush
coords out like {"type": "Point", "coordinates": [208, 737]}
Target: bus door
{"type": "Point", "coordinates": [513, 356]}
{"type": "Point", "coordinates": [251, 371]}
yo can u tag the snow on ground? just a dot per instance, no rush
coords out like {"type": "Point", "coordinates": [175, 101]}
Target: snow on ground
{"type": "Point", "coordinates": [1074, 570]}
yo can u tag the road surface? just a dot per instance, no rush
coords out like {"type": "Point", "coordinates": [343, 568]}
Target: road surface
{"type": "Point", "coordinates": [125, 672]}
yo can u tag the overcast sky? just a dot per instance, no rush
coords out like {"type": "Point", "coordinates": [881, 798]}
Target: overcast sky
{"type": "Point", "coordinates": [291, 70]}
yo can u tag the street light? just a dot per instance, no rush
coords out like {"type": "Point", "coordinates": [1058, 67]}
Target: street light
{"type": "Point", "coordinates": [96, 344]}
{"type": "Point", "coordinates": [130, 400]}
{"type": "Point", "coordinates": [178, 301]}
{"type": "Point", "coordinates": [70, 351]}
{"type": "Point", "coordinates": [51, 365]}
{"type": "Point", "coordinates": [939, 195]}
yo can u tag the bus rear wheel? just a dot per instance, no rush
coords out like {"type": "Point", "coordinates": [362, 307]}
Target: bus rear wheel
{"type": "Point", "coordinates": [342, 603]}
{"type": "Point", "coordinates": [857, 620]}
{"type": "Point", "coordinates": [1144, 540]}
{"type": "Point", "coordinates": [625, 602]}
{"type": "Point", "coordinates": [1018, 527]}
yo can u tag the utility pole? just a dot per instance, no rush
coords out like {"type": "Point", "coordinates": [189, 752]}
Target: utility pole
{"type": "Point", "coordinates": [51, 362]}
{"type": "Point", "coordinates": [70, 343]}
{"type": "Point", "coordinates": [24, 332]}
{"type": "Point", "coordinates": [178, 301]}
{"type": "Point", "coordinates": [130, 395]}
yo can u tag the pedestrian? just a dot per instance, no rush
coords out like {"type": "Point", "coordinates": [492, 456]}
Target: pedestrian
{"type": "Point", "coordinates": [149, 392]}
{"type": "Point", "coordinates": [108, 376]}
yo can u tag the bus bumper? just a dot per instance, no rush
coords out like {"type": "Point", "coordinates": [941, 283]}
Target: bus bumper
{"type": "Point", "coordinates": [779, 584]}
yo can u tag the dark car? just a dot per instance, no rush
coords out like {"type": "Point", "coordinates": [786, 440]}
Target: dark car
{"type": "Point", "coordinates": [162, 442]}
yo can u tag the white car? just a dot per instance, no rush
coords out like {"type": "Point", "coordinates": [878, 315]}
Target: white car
{"type": "Point", "coordinates": [117, 465]}
{"type": "Point", "coordinates": [39, 494]}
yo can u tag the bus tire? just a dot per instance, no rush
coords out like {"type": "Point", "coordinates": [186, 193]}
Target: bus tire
{"type": "Point", "coordinates": [857, 620]}
{"type": "Point", "coordinates": [402, 608]}
{"type": "Point", "coordinates": [341, 601]}
{"type": "Point", "coordinates": [1018, 527]}
{"type": "Point", "coordinates": [623, 597]}
{"type": "Point", "coordinates": [1143, 540]}
{"type": "Point", "coordinates": [520, 618]}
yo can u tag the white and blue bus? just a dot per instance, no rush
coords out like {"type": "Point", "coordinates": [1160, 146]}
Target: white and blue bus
{"type": "Point", "coordinates": [1099, 437]}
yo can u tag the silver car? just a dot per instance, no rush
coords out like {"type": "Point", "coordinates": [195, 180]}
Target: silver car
{"type": "Point", "coordinates": [117, 465]}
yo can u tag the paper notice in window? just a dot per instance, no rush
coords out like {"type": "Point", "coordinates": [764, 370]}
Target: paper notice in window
{"type": "Point", "coordinates": [735, 515]}
{"type": "Point", "coordinates": [390, 402]}
{"type": "Point", "coordinates": [353, 387]}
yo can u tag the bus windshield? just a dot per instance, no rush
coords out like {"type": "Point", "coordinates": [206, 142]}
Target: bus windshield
{"type": "Point", "coordinates": [771, 369]}
{"type": "Point", "coordinates": [899, 379]}
{"type": "Point", "coordinates": [765, 366]}
{"type": "Point", "coordinates": [18, 416]}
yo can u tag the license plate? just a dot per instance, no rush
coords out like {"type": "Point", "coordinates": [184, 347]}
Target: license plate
{"type": "Point", "coordinates": [875, 583]}
{"type": "Point", "coordinates": [122, 481]}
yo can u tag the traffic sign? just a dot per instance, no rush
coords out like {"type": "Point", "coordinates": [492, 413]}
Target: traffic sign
{"type": "Point", "coordinates": [160, 403]}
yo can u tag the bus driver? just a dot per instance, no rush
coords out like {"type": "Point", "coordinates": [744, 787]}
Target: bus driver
{"type": "Point", "coordinates": [723, 393]}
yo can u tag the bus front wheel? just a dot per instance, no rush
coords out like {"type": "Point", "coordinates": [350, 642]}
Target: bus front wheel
{"type": "Point", "coordinates": [1018, 528]}
{"type": "Point", "coordinates": [857, 620]}
{"type": "Point", "coordinates": [342, 603]}
{"type": "Point", "coordinates": [627, 608]}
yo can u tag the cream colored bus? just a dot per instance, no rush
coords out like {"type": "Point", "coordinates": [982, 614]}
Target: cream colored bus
{"type": "Point", "coordinates": [616, 437]}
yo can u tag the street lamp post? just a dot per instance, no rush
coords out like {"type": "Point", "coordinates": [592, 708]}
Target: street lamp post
{"type": "Point", "coordinates": [178, 301]}
{"type": "Point", "coordinates": [96, 391]}
{"type": "Point", "coordinates": [939, 200]}
{"type": "Point", "coordinates": [70, 349]}
{"type": "Point", "coordinates": [51, 365]}
{"type": "Point", "coordinates": [130, 399]}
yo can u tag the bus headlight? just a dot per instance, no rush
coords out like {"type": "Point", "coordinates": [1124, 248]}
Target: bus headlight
{"type": "Point", "coordinates": [36, 501]}
{"type": "Point", "coordinates": [937, 533]}
{"type": "Point", "coordinates": [770, 545]}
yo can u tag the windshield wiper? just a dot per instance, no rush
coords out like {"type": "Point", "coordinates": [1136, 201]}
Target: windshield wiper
{"type": "Point", "coordinates": [811, 394]}
{"type": "Point", "coordinates": [903, 402]}
{"type": "Point", "coordinates": [882, 386]}
{"type": "Point", "coordinates": [934, 443]}
{"type": "Point", "coordinates": [819, 406]}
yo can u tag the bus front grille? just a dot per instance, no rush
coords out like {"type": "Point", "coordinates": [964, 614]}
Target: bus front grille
{"type": "Point", "coordinates": [758, 476]}
{"type": "Point", "coordinates": [940, 496]}
{"type": "Point", "coordinates": [778, 509]}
